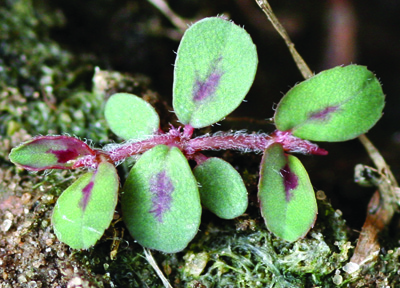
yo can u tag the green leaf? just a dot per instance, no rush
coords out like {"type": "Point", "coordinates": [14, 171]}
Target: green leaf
{"type": "Point", "coordinates": [214, 69]}
{"type": "Point", "coordinates": [49, 152]}
{"type": "Point", "coordinates": [286, 196]}
{"type": "Point", "coordinates": [130, 117]}
{"type": "Point", "coordinates": [221, 189]}
{"type": "Point", "coordinates": [160, 200]}
{"type": "Point", "coordinates": [335, 105]}
{"type": "Point", "coordinates": [85, 209]}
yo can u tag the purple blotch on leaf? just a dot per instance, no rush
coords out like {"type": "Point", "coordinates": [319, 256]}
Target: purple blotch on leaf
{"type": "Point", "coordinates": [324, 114]}
{"type": "Point", "coordinates": [290, 181]}
{"type": "Point", "coordinates": [63, 156]}
{"type": "Point", "coordinates": [86, 191]}
{"type": "Point", "coordinates": [161, 187]}
{"type": "Point", "coordinates": [203, 89]}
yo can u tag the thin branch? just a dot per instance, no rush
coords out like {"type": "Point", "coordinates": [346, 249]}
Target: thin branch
{"type": "Point", "coordinates": [377, 158]}
{"type": "Point", "coordinates": [153, 263]}
{"type": "Point", "coordinates": [171, 15]}
{"type": "Point", "coordinates": [341, 26]}
{"type": "Point", "coordinates": [301, 64]}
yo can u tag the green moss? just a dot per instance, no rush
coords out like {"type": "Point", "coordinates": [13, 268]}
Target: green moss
{"type": "Point", "coordinates": [254, 258]}
{"type": "Point", "coordinates": [27, 52]}
{"type": "Point", "coordinates": [228, 255]}
{"type": "Point", "coordinates": [381, 271]}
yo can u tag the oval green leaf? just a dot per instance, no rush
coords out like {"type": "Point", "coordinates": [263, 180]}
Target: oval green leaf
{"type": "Point", "coordinates": [85, 209]}
{"type": "Point", "coordinates": [160, 200]}
{"type": "Point", "coordinates": [130, 117]}
{"type": "Point", "coordinates": [286, 196]}
{"type": "Point", "coordinates": [221, 188]}
{"type": "Point", "coordinates": [214, 69]}
{"type": "Point", "coordinates": [49, 152]}
{"type": "Point", "coordinates": [335, 105]}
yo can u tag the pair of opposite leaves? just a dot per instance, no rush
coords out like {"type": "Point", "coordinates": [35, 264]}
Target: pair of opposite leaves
{"type": "Point", "coordinates": [214, 69]}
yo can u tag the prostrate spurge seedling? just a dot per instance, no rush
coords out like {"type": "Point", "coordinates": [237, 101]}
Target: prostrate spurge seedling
{"type": "Point", "coordinates": [162, 197]}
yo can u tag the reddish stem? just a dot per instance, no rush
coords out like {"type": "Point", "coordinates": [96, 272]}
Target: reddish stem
{"type": "Point", "coordinates": [243, 142]}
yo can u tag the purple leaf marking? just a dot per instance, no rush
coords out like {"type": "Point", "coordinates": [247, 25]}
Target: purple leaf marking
{"type": "Point", "coordinates": [203, 89]}
{"type": "Point", "coordinates": [324, 114]}
{"type": "Point", "coordinates": [63, 156]}
{"type": "Point", "coordinates": [290, 181]}
{"type": "Point", "coordinates": [161, 187]}
{"type": "Point", "coordinates": [64, 148]}
{"type": "Point", "coordinates": [86, 191]}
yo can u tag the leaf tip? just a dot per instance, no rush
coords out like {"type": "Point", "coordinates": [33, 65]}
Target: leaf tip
{"type": "Point", "coordinates": [49, 152]}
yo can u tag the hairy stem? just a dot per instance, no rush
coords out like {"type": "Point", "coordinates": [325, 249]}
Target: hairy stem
{"type": "Point", "coordinates": [243, 142]}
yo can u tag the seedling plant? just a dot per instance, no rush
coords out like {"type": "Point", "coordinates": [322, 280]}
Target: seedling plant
{"type": "Point", "coordinates": [162, 197]}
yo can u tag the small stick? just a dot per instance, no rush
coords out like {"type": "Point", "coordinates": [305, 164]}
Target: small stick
{"type": "Point", "coordinates": [301, 64]}
{"type": "Point", "coordinates": [153, 263]}
{"type": "Point", "coordinates": [167, 11]}
{"type": "Point", "coordinates": [377, 218]}
{"type": "Point", "coordinates": [378, 160]}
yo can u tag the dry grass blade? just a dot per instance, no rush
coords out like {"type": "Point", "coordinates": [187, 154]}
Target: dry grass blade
{"type": "Point", "coordinates": [301, 64]}
{"type": "Point", "coordinates": [153, 263]}
{"type": "Point", "coordinates": [167, 11]}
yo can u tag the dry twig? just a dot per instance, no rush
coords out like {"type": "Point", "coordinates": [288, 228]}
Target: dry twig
{"type": "Point", "coordinates": [381, 207]}
{"type": "Point", "coordinates": [301, 64]}
{"type": "Point", "coordinates": [171, 15]}
{"type": "Point", "coordinates": [153, 263]}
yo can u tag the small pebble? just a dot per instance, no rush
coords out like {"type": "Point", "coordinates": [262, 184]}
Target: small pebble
{"type": "Point", "coordinates": [351, 267]}
{"type": "Point", "coordinates": [32, 284]}
{"type": "Point", "coordinates": [22, 278]}
{"type": "Point", "coordinates": [25, 198]}
{"type": "Point", "coordinates": [6, 225]}
{"type": "Point", "coordinates": [321, 195]}
{"type": "Point", "coordinates": [337, 279]}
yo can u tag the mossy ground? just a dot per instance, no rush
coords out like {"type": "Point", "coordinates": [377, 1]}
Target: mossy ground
{"type": "Point", "coordinates": [45, 90]}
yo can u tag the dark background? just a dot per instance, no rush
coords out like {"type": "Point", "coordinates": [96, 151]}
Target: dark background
{"type": "Point", "coordinates": [134, 37]}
